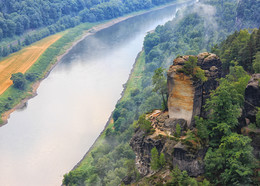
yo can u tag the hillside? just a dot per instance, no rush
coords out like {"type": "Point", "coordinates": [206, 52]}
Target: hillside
{"type": "Point", "coordinates": [211, 148]}
{"type": "Point", "coordinates": [195, 29]}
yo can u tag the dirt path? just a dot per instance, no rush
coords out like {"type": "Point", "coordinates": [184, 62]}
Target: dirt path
{"type": "Point", "coordinates": [23, 60]}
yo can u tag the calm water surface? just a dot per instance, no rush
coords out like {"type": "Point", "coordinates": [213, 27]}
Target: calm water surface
{"type": "Point", "coordinates": [44, 141]}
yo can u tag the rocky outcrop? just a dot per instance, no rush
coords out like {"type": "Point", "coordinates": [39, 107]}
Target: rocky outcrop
{"type": "Point", "coordinates": [181, 92]}
{"type": "Point", "coordinates": [212, 66]}
{"type": "Point", "coordinates": [251, 104]}
{"type": "Point", "coordinates": [186, 97]}
{"type": "Point", "coordinates": [142, 146]}
{"type": "Point", "coordinates": [189, 161]}
{"type": "Point", "coordinates": [252, 99]}
{"type": "Point", "coordinates": [185, 153]}
{"type": "Point", "coordinates": [186, 100]}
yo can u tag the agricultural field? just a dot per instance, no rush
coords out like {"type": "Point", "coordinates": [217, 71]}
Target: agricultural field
{"type": "Point", "coordinates": [21, 61]}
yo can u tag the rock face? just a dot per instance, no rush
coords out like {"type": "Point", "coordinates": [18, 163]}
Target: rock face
{"type": "Point", "coordinates": [186, 97]}
{"type": "Point", "coordinates": [186, 154]}
{"type": "Point", "coordinates": [186, 100]}
{"type": "Point", "coordinates": [143, 144]}
{"type": "Point", "coordinates": [181, 92]}
{"type": "Point", "coordinates": [252, 99]}
{"type": "Point", "coordinates": [212, 66]}
{"type": "Point", "coordinates": [189, 161]}
{"type": "Point", "coordinates": [142, 147]}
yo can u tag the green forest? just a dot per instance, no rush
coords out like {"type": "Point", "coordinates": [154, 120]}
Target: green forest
{"type": "Point", "coordinates": [30, 21]}
{"type": "Point", "coordinates": [229, 159]}
{"type": "Point", "coordinates": [228, 28]}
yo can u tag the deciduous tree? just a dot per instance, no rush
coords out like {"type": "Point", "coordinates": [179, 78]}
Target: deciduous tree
{"type": "Point", "coordinates": [160, 85]}
{"type": "Point", "coordinates": [19, 80]}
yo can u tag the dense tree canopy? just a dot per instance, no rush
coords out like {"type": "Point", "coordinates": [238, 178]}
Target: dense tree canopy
{"type": "Point", "coordinates": [18, 16]}
{"type": "Point", "coordinates": [248, 13]}
{"type": "Point", "coordinates": [232, 162]}
{"type": "Point", "coordinates": [242, 47]}
{"type": "Point", "coordinates": [36, 19]}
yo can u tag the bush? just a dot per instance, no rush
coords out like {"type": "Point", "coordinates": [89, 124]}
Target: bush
{"type": "Point", "coordinates": [145, 125]}
{"type": "Point", "coordinates": [135, 92]}
{"type": "Point", "coordinates": [162, 160]}
{"type": "Point", "coordinates": [200, 74]}
{"type": "Point", "coordinates": [180, 178]}
{"type": "Point", "coordinates": [178, 130]}
{"type": "Point", "coordinates": [19, 80]}
{"type": "Point", "coordinates": [201, 126]}
{"type": "Point", "coordinates": [190, 68]}
{"type": "Point", "coordinates": [31, 76]}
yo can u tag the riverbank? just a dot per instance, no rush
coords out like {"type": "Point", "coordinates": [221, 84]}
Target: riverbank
{"type": "Point", "coordinates": [130, 85]}
{"type": "Point", "coordinates": [134, 82]}
{"type": "Point", "coordinates": [82, 31]}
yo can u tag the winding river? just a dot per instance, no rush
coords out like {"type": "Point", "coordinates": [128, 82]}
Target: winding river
{"type": "Point", "coordinates": [46, 139]}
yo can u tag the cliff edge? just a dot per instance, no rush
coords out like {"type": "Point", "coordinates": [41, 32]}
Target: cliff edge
{"type": "Point", "coordinates": [173, 130]}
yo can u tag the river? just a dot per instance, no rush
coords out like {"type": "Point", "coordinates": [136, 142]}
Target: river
{"type": "Point", "coordinates": [46, 139]}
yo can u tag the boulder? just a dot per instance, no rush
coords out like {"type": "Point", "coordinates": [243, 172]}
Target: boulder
{"type": "Point", "coordinates": [190, 162]}
{"type": "Point", "coordinates": [171, 123]}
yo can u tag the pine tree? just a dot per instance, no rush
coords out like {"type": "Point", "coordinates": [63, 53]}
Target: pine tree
{"type": "Point", "coordinates": [155, 164]}
{"type": "Point", "coordinates": [257, 42]}
{"type": "Point", "coordinates": [256, 63]}
{"type": "Point", "coordinates": [162, 160]}
{"type": "Point", "coordinates": [178, 130]}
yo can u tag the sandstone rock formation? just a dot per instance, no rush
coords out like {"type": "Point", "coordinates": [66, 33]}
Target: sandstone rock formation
{"type": "Point", "coordinates": [187, 97]}
{"type": "Point", "coordinates": [181, 92]}
{"type": "Point", "coordinates": [186, 100]}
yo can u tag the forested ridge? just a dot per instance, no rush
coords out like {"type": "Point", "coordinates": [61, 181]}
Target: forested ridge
{"type": "Point", "coordinates": [242, 47]}
{"type": "Point", "coordinates": [36, 19]}
{"type": "Point", "coordinates": [196, 29]}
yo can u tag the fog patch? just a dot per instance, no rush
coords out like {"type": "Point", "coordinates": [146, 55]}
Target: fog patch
{"type": "Point", "coordinates": [207, 12]}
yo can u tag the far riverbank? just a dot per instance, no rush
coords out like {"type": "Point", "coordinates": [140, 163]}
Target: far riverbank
{"type": "Point", "coordinates": [66, 48]}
